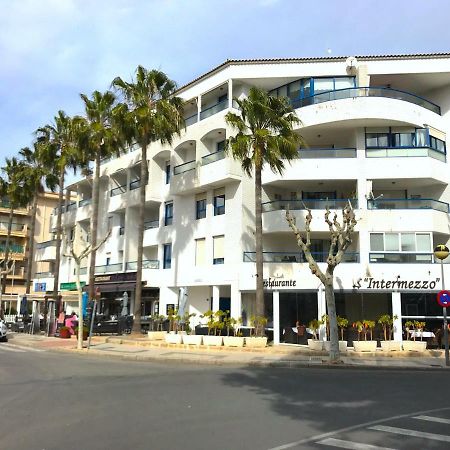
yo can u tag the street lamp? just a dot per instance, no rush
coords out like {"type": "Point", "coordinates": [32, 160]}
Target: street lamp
{"type": "Point", "coordinates": [441, 252]}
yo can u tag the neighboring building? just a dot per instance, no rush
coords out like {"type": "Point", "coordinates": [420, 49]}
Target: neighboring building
{"type": "Point", "coordinates": [19, 241]}
{"type": "Point", "coordinates": [376, 130]}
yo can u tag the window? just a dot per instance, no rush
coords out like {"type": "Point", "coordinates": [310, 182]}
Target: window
{"type": "Point", "coordinates": [110, 224]}
{"type": "Point", "coordinates": [222, 98]}
{"type": "Point", "coordinates": [200, 252]}
{"type": "Point", "coordinates": [108, 261]}
{"type": "Point", "coordinates": [168, 213]}
{"type": "Point", "coordinates": [218, 255]}
{"type": "Point", "coordinates": [219, 202]}
{"type": "Point", "coordinates": [377, 140]}
{"type": "Point", "coordinates": [167, 174]}
{"type": "Point", "coordinates": [200, 206]}
{"type": "Point", "coordinates": [167, 255]}
{"type": "Point", "coordinates": [220, 146]}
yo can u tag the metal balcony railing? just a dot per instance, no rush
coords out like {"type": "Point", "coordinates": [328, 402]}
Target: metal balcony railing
{"type": "Point", "coordinates": [151, 224]}
{"type": "Point", "coordinates": [213, 157]}
{"type": "Point", "coordinates": [312, 153]}
{"type": "Point", "coordinates": [214, 109]}
{"type": "Point", "coordinates": [409, 203]}
{"type": "Point", "coordinates": [185, 167]}
{"type": "Point", "coordinates": [135, 184]}
{"type": "Point", "coordinates": [146, 264]}
{"type": "Point", "coordinates": [118, 190]}
{"type": "Point", "coordinates": [297, 257]}
{"type": "Point", "coordinates": [293, 205]}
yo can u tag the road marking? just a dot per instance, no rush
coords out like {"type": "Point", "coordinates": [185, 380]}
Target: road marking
{"type": "Point", "coordinates": [351, 445]}
{"type": "Point", "coordinates": [19, 348]}
{"type": "Point", "coordinates": [433, 419]}
{"type": "Point", "coordinates": [11, 349]}
{"type": "Point", "coordinates": [413, 433]}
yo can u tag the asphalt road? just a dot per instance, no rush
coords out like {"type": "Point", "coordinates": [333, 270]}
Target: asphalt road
{"type": "Point", "coordinates": [54, 400]}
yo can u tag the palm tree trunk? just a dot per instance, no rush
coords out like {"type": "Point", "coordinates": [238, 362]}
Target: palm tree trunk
{"type": "Point", "coordinates": [140, 242]}
{"type": "Point", "coordinates": [94, 223]}
{"type": "Point", "coordinates": [8, 239]}
{"type": "Point", "coordinates": [62, 171]}
{"type": "Point", "coordinates": [259, 243]}
{"type": "Point", "coordinates": [31, 243]}
{"type": "Point", "coordinates": [331, 310]}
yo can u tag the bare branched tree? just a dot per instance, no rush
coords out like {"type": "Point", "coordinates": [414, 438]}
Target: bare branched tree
{"type": "Point", "coordinates": [79, 250]}
{"type": "Point", "coordinates": [340, 239]}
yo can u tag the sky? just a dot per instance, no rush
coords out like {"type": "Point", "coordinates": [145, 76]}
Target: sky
{"type": "Point", "coordinates": [53, 50]}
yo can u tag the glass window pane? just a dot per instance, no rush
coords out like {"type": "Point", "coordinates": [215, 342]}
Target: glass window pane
{"type": "Point", "coordinates": [391, 242]}
{"type": "Point", "coordinates": [294, 90]}
{"type": "Point", "coordinates": [306, 87]}
{"type": "Point", "coordinates": [282, 91]}
{"type": "Point", "coordinates": [421, 138]}
{"type": "Point", "coordinates": [376, 242]}
{"type": "Point", "coordinates": [408, 242]}
{"type": "Point", "coordinates": [371, 140]}
{"type": "Point", "coordinates": [423, 242]}
{"type": "Point", "coordinates": [323, 84]}
{"type": "Point", "coordinates": [383, 140]}
{"type": "Point", "coordinates": [344, 83]}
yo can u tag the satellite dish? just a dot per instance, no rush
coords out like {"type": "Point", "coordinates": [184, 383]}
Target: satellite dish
{"type": "Point", "coordinates": [351, 62]}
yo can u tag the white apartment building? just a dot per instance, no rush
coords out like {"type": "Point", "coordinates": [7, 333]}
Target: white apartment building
{"type": "Point", "coordinates": [375, 128]}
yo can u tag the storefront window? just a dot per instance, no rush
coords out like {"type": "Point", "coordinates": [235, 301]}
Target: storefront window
{"type": "Point", "coordinates": [376, 242]}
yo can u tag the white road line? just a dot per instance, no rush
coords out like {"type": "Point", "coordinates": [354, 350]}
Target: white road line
{"type": "Point", "coordinates": [351, 445]}
{"type": "Point", "coordinates": [11, 349]}
{"type": "Point", "coordinates": [20, 348]}
{"type": "Point", "coordinates": [413, 433]}
{"type": "Point", "coordinates": [433, 419]}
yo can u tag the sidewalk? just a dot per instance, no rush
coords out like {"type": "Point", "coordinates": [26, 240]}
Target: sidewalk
{"type": "Point", "coordinates": [141, 349]}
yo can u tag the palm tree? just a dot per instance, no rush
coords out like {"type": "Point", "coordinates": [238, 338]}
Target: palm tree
{"type": "Point", "coordinates": [37, 168]}
{"type": "Point", "coordinates": [60, 138]}
{"type": "Point", "coordinates": [154, 114]}
{"type": "Point", "coordinates": [265, 135]}
{"type": "Point", "coordinates": [100, 139]}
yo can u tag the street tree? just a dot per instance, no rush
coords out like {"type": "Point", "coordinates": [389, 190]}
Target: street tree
{"type": "Point", "coordinates": [341, 237]}
{"type": "Point", "coordinates": [265, 136]}
{"type": "Point", "coordinates": [154, 113]}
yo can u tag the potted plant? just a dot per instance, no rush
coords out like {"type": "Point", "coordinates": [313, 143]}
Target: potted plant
{"type": "Point", "coordinates": [415, 328]}
{"type": "Point", "coordinates": [173, 337]}
{"type": "Point", "coordinates": [236, 340]}
{"type": "Point", "coordinates": [387, 323]}
{"type": "Point", "coordinates": [64, 332]}
{"type": "Point", "coordinates": [315, 343]}
{"type": "Point", "coordinates": [190, 338]}
{"type": "Point", "coordinates": [85, 332]}
{"type": "Point", "coordinates": [157, 333]}
{"type": "Point", "coordinates": [258, 339]}
{"type": "Point", "coordinates": [342, 324]}
{"type": "Point", "coordinates": [215, 324]}
{"type": "Point", "coordinates": [365, 327]}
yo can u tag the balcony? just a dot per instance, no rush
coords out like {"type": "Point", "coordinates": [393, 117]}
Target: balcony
{"type": "Point", "coordinates": [146, 264]}
{"type": "Point", "coordinates": [108, 268]}
{"type": "Point", "coordinates": [149, 224]}
{"type": "Point", "coordinates": [293, 205]}
{"type": "Point", "coordinates": [135, 185]}
{"type": "Point", "coordinates": [191, 120]}
{"type": "Point", "coordinates": [84, 202]}
{"type": "Point", "coordinates": [414, 152]}
{"type": "Point", "coordinates": [46, 244]}
{"type": "Point", "coordinates": [410, 203]}
{"type": "Point", "coordinates": [71, 206]}
{"type": "Point", "coordinates": [40, 275]}
{"type": "Point", "coordinates": [318, 153]}
{"type": "Point", "coordinates": [347, 93]}
{"type": "Point", "coordinates": [118, 190]}
{"type": "Point", "coordinates": [213, 157]}
{"type": "Point", "coordinates": [297, 257]}
{"type": "Point", "coordinates": [185, 167]}
{"type": "Point", "coordinates": [214, 109]}
{"type": "Point", "coordinates": [402, 258]}
{"type": "Point", "coordinates": [46, 251]}
{"type": "Point", "coordinates": [16, 228]}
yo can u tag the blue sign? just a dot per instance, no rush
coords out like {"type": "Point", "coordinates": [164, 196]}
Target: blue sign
{"type": "Point", "coordinates": [443, 298]}
{"type": "Point", "coordinates": [40, 287]}
{"type": "Point", "coordinates": [84, 302]}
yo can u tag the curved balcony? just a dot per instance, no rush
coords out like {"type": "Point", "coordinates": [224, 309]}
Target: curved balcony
{"type": "Point", "coordinates": [319, 153]}
{"type": "Point", "coordinates": [185, 167]}
{"type": "Point", "coordinates": [295, 205]}
{"type": "Point", "coordinates": [297, 257]}
{"type": "Point", "coordinates": [410, 203]}
{"type": "Point", "coordinates": [340, 94]}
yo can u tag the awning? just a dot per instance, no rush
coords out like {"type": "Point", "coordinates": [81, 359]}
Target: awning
{"type": "Point", "coordinates": [114, 286]}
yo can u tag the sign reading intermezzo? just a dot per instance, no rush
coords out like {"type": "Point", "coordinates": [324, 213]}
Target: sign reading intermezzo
{"type": "Point", "coordinates": [397, 283]}
{"type": "Point", "coordinates": [271, 283]}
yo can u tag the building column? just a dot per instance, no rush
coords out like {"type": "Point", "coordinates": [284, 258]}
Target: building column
{"type": "Point", "coordinates": [321, 310]}
{"type": "Point", "coordinates": [199, 107]}
{"type": "Point", "coordinates": [276, 317]}
{"type": "Point", "coordinates": [397, 311]}
{"type": "Point", "coordinates": [215, 296]}
{"type": "Point", "coordinates": [236, 302]}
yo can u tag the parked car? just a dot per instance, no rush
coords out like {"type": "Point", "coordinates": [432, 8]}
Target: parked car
{"type": "Point", "coordinates": [3, 331]}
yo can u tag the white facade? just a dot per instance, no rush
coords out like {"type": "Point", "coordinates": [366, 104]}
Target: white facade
{"type": "Point", "coordinates": [376, 132]}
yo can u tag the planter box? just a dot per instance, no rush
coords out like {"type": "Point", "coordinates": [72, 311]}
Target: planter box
{"type": "Point", "coordinates": [233, 341]}
{"type": "Point", "coordinates": [212, 341]}
{"type": "Point", "coordinates": [365, 346]}
{"type": "Point", "coordinates": [192, 339]}
{"type": "Point", "coordinates": [414, 346]}
{"type": "Point", "coordinates": [342, 346]}
{"type": "Point", "coordinates": [315, 344]}
{"type": "Point", "coordinates": [173, 338]}
{"type": "Point", "coordinates": [255, 342]}
{"type": "Point", "coordinates": [391, 346]}
{"type": "Point", "coordinates": [156, 335]}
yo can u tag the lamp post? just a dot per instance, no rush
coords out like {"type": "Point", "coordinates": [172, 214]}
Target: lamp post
{"type": "Point", "coordinates": [441, 252]}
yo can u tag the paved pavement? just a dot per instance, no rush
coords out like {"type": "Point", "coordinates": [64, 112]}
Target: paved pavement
{"type": "Point", "coordinates": [141, 349]}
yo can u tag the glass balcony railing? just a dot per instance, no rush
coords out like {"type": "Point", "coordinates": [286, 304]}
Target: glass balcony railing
{"type": "Point", "coordinates": [297, 257]}
{"type": "Point", "coordinates": [214, 109]}
{"type": "Point", "coordinates": [13, 248]}
{"type": "Point", "coordinates": [366, 92]}
{"type": "Point", "coordinates": [311, 153]}
{"type": "Point", "coordinates": [83, 270]}
{"type": "Point", "coordinates": [151, 224]}
{"type": "Point", "coordinates": [185, 167]}
{"type": "Point", "coordinates": [15, 227]}
{"type": "Point", "coordinates": [39, 275]}
{"type": "Point", "coordinates": [404, 258]}
{"type": "Point", "coordinates": [146, 264]}
{"type": "Point", "coordinates": [109, 268]}
{"type": "Point", "coordinates": [118, 190]}
{"type": "Point", "coordinates": [46, 244]}
{"type": "Point", "coordinates": [409, 203]}
{"type": "Point", "coordinates": [414, 152]}
{"type": "Point", "coordinates": [213, 157]}
{"type": "Point", "coordinates": [135, 184]}
{"type": "Point", "coordinates": [84, 202]}
{"type": "Point", "coordinates": [191, 119]}
{"type": "Point", "coordinates": [279, 205]}
{"type": "Point", "coordinates": [71, 206]}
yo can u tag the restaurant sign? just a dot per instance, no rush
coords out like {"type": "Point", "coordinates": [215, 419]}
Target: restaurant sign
{"type": "Point", "coordinates": [397, 283]}
{"type": "Point", "coordinates": [115, 277]}
{"type": "Point", "coordinates": [271, 283]}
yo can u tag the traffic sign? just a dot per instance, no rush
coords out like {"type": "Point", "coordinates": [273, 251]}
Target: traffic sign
{"type": "Point", "coordinates": [443, 298]}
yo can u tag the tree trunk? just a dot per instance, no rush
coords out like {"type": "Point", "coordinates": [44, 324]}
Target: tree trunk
{"type": "Point", "coordinates": [80, 304]}
{"type": "Point", "coordinates": [8, 239]}
{"type": "Point", "coordinates": [94, 223]}
{"type": "Point", "coordinates": [259, 244]}
{"type": "Point", "coordinates": [31, 243]}
{"type": "Point", "coordinates": [331, 309]}
{"type": "Point", "coordinates": [58, 236]}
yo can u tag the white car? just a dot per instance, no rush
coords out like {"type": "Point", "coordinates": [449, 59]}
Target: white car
{"type": "Point", "coordinates": [3, 331]}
